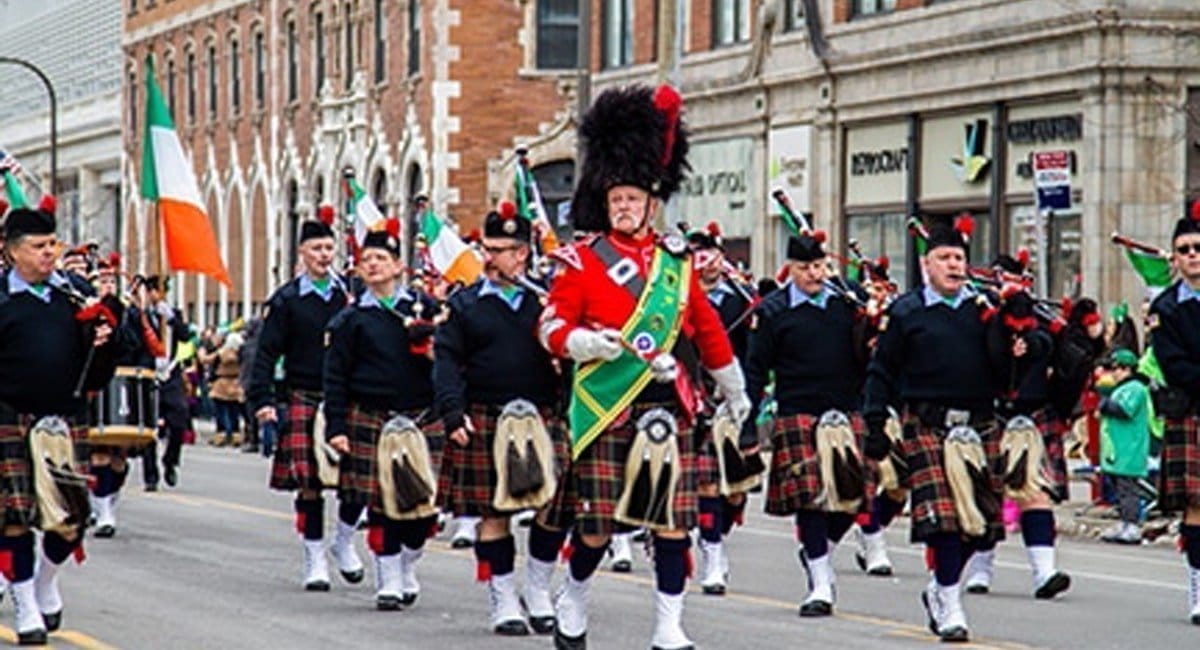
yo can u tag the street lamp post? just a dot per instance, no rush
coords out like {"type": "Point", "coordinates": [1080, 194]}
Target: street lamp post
{"type": "Point", "coordinates": [53, 120]}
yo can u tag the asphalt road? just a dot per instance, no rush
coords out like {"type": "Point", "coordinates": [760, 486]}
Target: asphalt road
{"type": "Point", "coordinates": [214, 563]}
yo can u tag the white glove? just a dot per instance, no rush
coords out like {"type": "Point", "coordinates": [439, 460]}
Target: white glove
{"type": "Point", "coordinates": [732, 385]}
{"type": "Point", "coordinates": [588, 345]}
{"type": "Point", "coordinates": [664, 369]}
{"type": "Point", "coordinates": [164, 309]}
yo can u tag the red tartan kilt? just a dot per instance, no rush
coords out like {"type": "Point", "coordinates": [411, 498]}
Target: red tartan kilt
{"type": "Point", "coordinates": [932, 502]}
{"type": "Point", "coordinates": [1179, 477]}
{"type": "Point", "coordinates": [295, 464]}
{"type": "Point", "coordinates": [1053, 430]}
{"type": "Point", "coordinates": [18, 503]}
{"type": "Point", "coordinates": [593, 487]}
{"type": "Point", "coordinates": [708, 468]}
{"type": "Point", "coordinates": [467, 480]}
{"type": "Point", "coordinates": [358, 476]}
{"type": "Point", "coordinates": [794, 479]}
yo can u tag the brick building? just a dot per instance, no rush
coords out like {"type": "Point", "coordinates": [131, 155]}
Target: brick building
{"type": "Point", "coordinates": [272, 99]}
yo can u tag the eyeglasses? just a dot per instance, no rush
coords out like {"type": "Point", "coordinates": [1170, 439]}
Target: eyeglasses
{"type": "Point", "coordinates": [1185, 249]}
{"type": "Point", "coordinates": [496, 250]}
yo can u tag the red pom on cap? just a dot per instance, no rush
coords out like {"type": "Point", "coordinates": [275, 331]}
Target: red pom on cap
{"type": "Point", "coordinates": [325, 214]}
{"type": "Point", "coordinates": [965, 225]}
{"type": "Point", "coordinates": [1023, 257]}
{"type": "Point", "coordinates": [48, 204]}
{"type": "Point", "coordinates": [1195, 212]}
{"type": "Point", "coordinates": [819, 236]}
{"type": "Point", "coordinates": [713, 228]}
{"type": "Point", "coordinates": [883, 263]}
{"type": "Point", "coordinates": [507, 209]}
{"type": "Point", "coordinates": [392, 226]}
{"type": "Point", "coordinates": [114, 259]}
{"type": "Point", "coordinates": [473, 235]}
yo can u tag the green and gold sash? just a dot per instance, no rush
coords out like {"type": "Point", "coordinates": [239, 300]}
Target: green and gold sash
{"type": "Point", "coordinates": [602, 389]}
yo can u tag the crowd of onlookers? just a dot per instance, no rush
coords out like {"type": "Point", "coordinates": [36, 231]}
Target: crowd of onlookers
{"type": "Point", "coordinates": [218, 373]}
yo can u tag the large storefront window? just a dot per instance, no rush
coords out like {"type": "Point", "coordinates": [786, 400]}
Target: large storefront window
{"type": "Point", "coordinates": [882, 234]}
{"type": "Point", "coordinates": [1062, 246]}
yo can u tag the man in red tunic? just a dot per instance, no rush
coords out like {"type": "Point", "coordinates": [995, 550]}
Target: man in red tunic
{"type": "Point", "coordinates": [628, 309]}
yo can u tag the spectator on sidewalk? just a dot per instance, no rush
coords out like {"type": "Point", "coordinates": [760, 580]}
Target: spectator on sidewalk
{"type": "Point", "coordinates": [1124, 440]}
{"type": "Point", "coordinates": [245, 361]}
{"type": "Point", "coordinates": [226, 391]}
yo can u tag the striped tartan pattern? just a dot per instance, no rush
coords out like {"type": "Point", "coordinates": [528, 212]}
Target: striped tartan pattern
{"type": "Point", "coordinates": [469, 474]}
{"type": "Point", "coordinates": [18, 503]}
{"type": "Point", "coordinates": [359, 477]}
{"type": "Point", "coordinates": [794, 478]}
{"type": "Point", "coordinates": [932, 502]}
{"type": "Point", "coordinates": [1179, 478]}
{"type": "Point", "coordinates": [294, 466]}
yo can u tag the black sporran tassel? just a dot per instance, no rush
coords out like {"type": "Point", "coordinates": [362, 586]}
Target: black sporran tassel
{"type": "Point", "coordinates": [1015, 480]}
{"type": "Point", "coordinates": [735, 463]}
{"type": "Point", "coordinates": [847, 475]}
{"type": "Point", "coordinates": [985, 499]}
{"type": "Point", "coordinates": [533, 468]}
{"type": "Point", "coordinates": [74, 491]}
{"type": "Point", "coordinates": [639, 494]}
{"type": "Point", "coordinates": [661, 509]}
{"type": "Point", "coordinates": [411, 490]}
{"type": "Point", "coordinates": [519, 481]}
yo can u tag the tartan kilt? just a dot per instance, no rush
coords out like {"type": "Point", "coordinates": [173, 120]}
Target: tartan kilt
{"type": "Point", "coordinates": [468, 477]}
{"type": "Point", "coordinates": [708, 467]}
{"type": "Point", "coordinates": [1179, 477]}
{"type": "Point", "coordinates": [358, 476]}
{"type": "Point", "coordinates": [592, 488]}
{"type": "Point", "coordinates": [932, 502]}
{"type": "Point", "coordinates": [794, 479]}
{"type": "Point", "coordinates": [18, 503]}
{"type": "Point", "coordinates": [1053, 430]}
{"type": "Point", "coordinates": [294, 466]}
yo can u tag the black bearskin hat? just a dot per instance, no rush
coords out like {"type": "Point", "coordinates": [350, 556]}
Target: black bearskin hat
{"type": "Point", "coordinates": [632, 136]}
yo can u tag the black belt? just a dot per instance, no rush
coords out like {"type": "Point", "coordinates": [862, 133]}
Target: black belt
{"type": "Point", "coordinates": [942, 416]}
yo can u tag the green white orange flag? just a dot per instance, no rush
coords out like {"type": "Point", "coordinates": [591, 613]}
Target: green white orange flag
{"type": "Point", "coordinates": [447, 252]}
{"type": "Point", "coordinates": [13, 194]}
{"type": "Point", "coordinates": [367, 216]}
{"type": "Point", "coordinates": [168, 180]}
{"type": "Point", "coordinates": [1154, 270]}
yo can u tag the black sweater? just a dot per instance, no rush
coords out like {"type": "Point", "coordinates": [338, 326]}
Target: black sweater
{"type": "Point", "coordinates": [1175, 335]}
{"type": "Point", "coordinates": [294, 328]}
{"type": "Point", "coordinates": [368, 362]}
{"type": "Point", "coordinates": [487, 353]}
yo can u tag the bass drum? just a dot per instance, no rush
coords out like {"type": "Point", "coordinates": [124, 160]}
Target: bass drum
{"type": "Point", "coordinates": [125, 413]}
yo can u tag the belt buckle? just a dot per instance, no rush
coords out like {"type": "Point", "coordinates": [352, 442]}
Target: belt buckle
{"type": "Point", "coordinates": [957, 417]}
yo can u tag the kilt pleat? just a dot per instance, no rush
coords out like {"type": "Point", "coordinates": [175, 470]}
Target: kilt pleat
{"type": "Point", "coordinates": [1179, 476]}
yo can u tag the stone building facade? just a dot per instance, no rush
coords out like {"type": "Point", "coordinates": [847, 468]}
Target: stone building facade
{"type": "Point", "coordinates": [273, 99]}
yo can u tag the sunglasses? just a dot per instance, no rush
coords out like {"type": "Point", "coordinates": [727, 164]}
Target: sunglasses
{"type": "Point", "coordinates": [496, 250]}
{"type": "Point", "coordinates": [1185, 249]}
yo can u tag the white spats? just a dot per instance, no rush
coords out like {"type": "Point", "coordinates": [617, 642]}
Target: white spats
{"type": "Point", "coordinates": [537, 588]}
{"type": "Point", "coordinates": [820, 579]}
{"type": "Point", "coordinates": [1193, 594]}
{"type": "Point", "coordinates": [953, 626]}
{"type": "Point", "coordinates": [344, 553]}
{"type": "Point", "coordinates": [45, 582]}
{"type": "Point", "coordinates": [388, 590]}
{"type": "Point", "coordinates": [571, 606]}
{"type": "Point", "coordinates": [713, 567]}
{"type": "Point", "coordinates": [25, 607]}
{"type": "Point", "coordinates": [316, 569]}
{"type": "Point", "coordinates": [979, 571]}
{"type": "Point", "coordinates": [872, 554]}
{"type": "Point", "coordinates": [621, 550]}
{"type": "Point", "coordinates": [409, 586]}
{"type": "Point", "coordinates": [668, 623]}
{"type": "Point", "coordinates": [464, 532]}
{"type": "Point", "coordinates": [505, 606]}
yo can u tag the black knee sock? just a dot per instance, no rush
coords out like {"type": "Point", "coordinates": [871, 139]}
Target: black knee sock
{"type": "Point", "coordinates": [671, 564]}
{"type": "Point", "coordinates": [105, 481]}
{"type": "Point", "coordinates": [414, 532]}
{"type": "Point", "coordinates": [545, 543]}
{"type": "Point", "coordinates": [349, 512]}
{"type": "Point", "coordinates": [57, 549]}
{"type": "Point", "coordinates": [883, 511]}
{"type": "Point", "coordinates": [494, 558]}
{"type": "Point", "coordinates": [310, 518]}
{"type": "Point", "coordinates": [1037, 527]}
{"type": "Point", "coordinates": [731, 514]}
{"type": "Point", "coordinates": [711, 511]}
{"type": "Point", "coordinates": [383, 534]}
{"type": "Point", "coordinates": [1191, 544]}
{"type": "Point", "coordinates": [814, 533]}
{"type": "Point", "coordinates": [21, 556]}
{"type": "Point", "coordinates": [948, 557]}
{"type": "Point", "coordinates": [837, 523]}
{"type": "Point", "coordinates": [584, 559]}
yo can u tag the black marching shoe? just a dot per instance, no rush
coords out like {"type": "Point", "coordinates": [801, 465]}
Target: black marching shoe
{"type": "Point", "coordinates": [408, 598]}
{"type": "Point", "coordinates": [152, 487]}
{"type": "Point", "coordinates": [1053, 586]}
{"type": "Point", "coordinates": [388, 603]}
{"type": "Point", "coordinates": [815, 608]}
{"type": "Point", "coordinates": [542, 624]}
{"type": "Point", "coordinates": [33, 637]}
{"type": "Point", "coordinates": [52, 621]}
{"type": "Point", "coordinates": [511, 628]}
{"type": "Point", "coordinates": [170, 475]}
{"type": "Point", "coordinates": [564, 642]}
{"type": "Point", "coordinates": [105, 531]}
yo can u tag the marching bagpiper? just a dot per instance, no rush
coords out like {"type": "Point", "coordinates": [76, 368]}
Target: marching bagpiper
{"type": "Point", "coordinates": [813, 335]}
{"type": "Point", "coordinates": [625, 306]}
{"type": "Point", "coordinates": [378, 397]}
{"type": "Point", "coordinates": [1175, 334]}
{"type": "Point", "coordinates": [294, 328]}
{"type": "Point", "coordinates": [55, 346]}
{"type": "Point", "coordinates": [933, 356]}
{"type": "Point", "coordinates": [498, 394]}
{"type": "Point", "coordinates": [733, 302]}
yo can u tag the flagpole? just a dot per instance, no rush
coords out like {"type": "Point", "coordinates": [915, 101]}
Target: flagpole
{"type": "Point", "coordinates": [160, 271]}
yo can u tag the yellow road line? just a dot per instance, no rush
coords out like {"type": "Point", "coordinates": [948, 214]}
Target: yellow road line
{"type": "Point", "coordinates": [895, 627]}
{"type": "Point", "coordinates": [81, 640]}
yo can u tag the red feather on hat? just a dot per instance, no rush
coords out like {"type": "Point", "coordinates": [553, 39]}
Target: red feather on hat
{"type": "Point", "coordinates": [1022, 257]}
{"type": "Point", "coordinates": [819, 236]}
{"type": "Point", "coordinates": [965, 225]}
{"type": "Point", "coordinates": [883, 263]}
{"type": "Point", "coordinates": [713, 228]}
{"type": "Point", "coordinates": [48, 203]}
{"type": "Point", "coordinates": [325, 214]}
{"type": "Point", "coordinates": [391, 225]}
{"type": "Point", "coordinates": [1195, 212]}
{"type": "Point", "coordinates": [668, 102]}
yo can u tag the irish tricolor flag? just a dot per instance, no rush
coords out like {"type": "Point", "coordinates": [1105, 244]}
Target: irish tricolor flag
{"type": "Point", "coordinates": [366, 214]}
{"type": "Point", "coordinates": [167, 179]}
{"type": "Point", "coordinates": [447, 252]}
